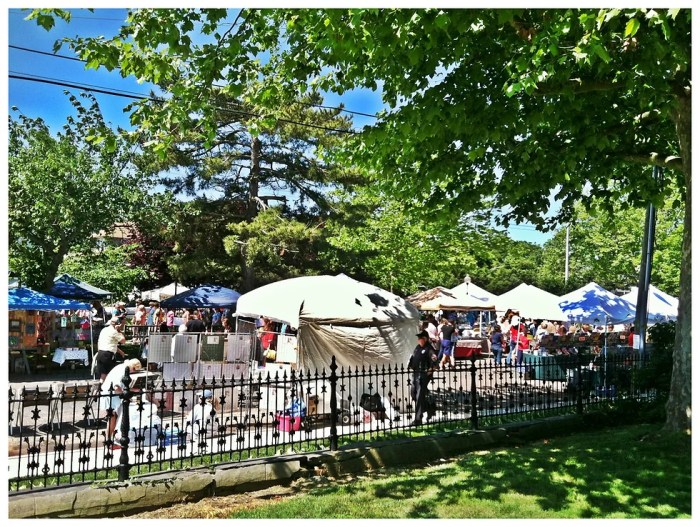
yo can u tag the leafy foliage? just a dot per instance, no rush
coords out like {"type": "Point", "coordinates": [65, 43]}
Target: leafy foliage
{"type": "Point", "coordinates": [196, 230]}
{"type": "Point", "coordinates": [656, 373]}
{"type": "Point", "coordinates": [64, 189]}
{"type": "Point", "coordinates": [278, 247]}
{"type": "Point", "coordinates": [606, 248]}
{"type": "Point", "coordinates": [106, 268]}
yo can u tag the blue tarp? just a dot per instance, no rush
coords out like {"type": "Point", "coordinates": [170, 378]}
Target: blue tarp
{"type": "Point", "coordinates": [594, 304]}
{"type": "Point", "coordinates": [21, 298]}
{"type": "Point", "coordinates": [204, 296]}
{"type": "Point", "coordinates": [66, 286]}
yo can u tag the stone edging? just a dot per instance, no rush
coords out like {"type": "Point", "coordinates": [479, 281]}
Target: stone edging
{"type": "Point", "coordinates": [161, 490]}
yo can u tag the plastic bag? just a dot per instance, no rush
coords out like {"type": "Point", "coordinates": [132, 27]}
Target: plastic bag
{"type": "Point", "coordinates": [296, 408]}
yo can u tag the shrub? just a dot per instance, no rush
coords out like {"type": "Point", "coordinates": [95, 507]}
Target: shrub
{"type": "Point", "coordinates": [655, 374]}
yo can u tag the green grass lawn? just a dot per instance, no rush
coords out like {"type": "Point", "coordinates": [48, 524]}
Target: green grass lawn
{"type": "Point", "coordinates": [626, 472]}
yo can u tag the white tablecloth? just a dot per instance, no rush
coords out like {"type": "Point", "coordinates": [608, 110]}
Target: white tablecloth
{"type": "Point", "coordinates": [61, 355]}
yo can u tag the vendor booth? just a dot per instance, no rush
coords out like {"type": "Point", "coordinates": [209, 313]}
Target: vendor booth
{"type": "Point", "coordinates": [335, 315]}
{"type": "Point", "coordinates": [593, 304]}
{"type": "Point", "coordinates": [39, 324]}
{"type": "Point", "coordinates": [466, 347]}
{"type": "Point", "coordinates": [531, 302]}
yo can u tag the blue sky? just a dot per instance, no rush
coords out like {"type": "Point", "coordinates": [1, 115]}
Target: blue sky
{"type": "Point", "coordinates": [37, 99]}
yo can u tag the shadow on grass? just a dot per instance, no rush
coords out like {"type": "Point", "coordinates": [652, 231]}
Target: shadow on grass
{"type": "Point", "coordinates": [631, 472]}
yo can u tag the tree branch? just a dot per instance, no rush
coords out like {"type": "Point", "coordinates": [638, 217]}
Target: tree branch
{"type": "Point", "coordinates": [672, 162]}
{"type": "Point", "coordinates": [578, 86]}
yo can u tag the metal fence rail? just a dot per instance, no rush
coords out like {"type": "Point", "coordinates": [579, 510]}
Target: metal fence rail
{"type": "Point", "coordinates": [63, 432]}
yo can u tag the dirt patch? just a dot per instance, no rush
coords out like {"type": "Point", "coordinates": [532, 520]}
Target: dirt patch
{"type": "Point", "coordinates": [210, 508]}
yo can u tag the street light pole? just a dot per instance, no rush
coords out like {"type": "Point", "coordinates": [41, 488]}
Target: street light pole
{"type": "Point", "coordinates": [640, 322]}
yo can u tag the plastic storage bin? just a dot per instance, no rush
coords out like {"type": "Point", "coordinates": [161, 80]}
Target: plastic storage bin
{"type": "Point", "coordinates": [287, 423]}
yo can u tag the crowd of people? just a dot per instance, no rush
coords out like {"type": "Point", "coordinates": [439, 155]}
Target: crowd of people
{"type": "Point", "coordinates": [508, 339]}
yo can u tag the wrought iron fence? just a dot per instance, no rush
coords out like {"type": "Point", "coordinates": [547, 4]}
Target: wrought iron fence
{"type": "Point", "coordinates": [63, 436]}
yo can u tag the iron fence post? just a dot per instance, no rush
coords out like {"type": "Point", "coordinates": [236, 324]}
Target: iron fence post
{"type": "Point", "coordinates": [334, 405]}
{"type": "Point", "coordinates": [124, 467]}
{"type": "Point", "coordinates": [474, 415]}
{"type": "Point", "coordinates": [579, 386]}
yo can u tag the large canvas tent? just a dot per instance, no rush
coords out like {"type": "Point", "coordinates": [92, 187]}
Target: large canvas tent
{"type": "Point", "coordinates": [594, 304]}
{"type": "Point", "coordinates": [162, 293]}
{"type": "Point", "coordinates": [25, 299]}
{"type": "Point", "coordinates": [67, 286]}
{"type": "Point", "coordinates": [208, 295]}
{"type": "Point", "coordinates": [661, 306]}
{"type": "Point", "coordinates": [531, 302]}
{"type": "Point", "coordinates": [336, 315]}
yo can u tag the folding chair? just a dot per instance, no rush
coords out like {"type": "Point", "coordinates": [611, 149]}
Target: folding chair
{"type": "Point", "coordinates": [33, 399]}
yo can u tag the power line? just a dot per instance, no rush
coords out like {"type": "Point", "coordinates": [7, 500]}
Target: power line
{"type": "Point", "coordinates": [56, 82]}
{"type": "Point", "coordinates": [66, 57]}
{"type": "Point", "coordinates": [19, 12]}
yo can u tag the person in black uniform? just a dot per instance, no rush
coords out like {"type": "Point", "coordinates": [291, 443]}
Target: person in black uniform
{"type": "Point", "coordinates": [422, 362]}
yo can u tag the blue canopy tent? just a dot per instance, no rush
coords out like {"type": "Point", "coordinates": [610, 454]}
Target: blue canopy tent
{"type": "Point", "coordinates": [593, 304]}
{"type": "Point", "coordinates": [22, 298]}
{"type": "Point", "coordinates": [207, 295]}
{"type": "Point", "coordinates": [67, 286]}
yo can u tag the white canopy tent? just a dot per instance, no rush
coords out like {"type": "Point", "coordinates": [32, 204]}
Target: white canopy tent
{"type": "Point", "coordinates": [441, 298]}
{"type": "Point", "coordinates": [661, 307]}
{"type": "Point", "coordinates": [161, 293]}
{"type": "Point", "coordinates": [457, 302]}
{"type": "Point", "coordinates": [474, 291]}
{"type": "Point", "coordinates": [593, 304]}
{"type": "Point", "coordinates": [336, 315]}
{"type": "Point", "coordinates": [531, 302]}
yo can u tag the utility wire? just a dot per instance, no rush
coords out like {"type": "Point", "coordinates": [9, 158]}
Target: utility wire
{"type": "Point", "coordinates": [66, 57]}
{"type": "Point", "coordinates": [105, 91]}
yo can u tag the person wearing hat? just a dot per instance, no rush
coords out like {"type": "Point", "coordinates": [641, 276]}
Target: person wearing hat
{"type": "Point", "coordinates": [108, 347]}
{"type": "Point", "coordinates": [423, 360]}
{"type": "Point", "coordinates": [111, 390]}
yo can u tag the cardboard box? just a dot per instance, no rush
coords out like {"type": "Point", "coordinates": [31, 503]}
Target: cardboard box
{"type": "Point", "coordinates": [312, 405]}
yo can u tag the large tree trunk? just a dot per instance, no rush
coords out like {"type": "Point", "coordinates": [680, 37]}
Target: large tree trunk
{"type": "Point", "coordinates": [247, 268]}
{"type": "Point", "coordinates": [55, 261]}
{"type": "Point", "coordinates": [678, 408]}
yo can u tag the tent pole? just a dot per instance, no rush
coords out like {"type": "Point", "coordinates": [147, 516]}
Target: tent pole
{"type": "Point", "coordinates": [92, 347]}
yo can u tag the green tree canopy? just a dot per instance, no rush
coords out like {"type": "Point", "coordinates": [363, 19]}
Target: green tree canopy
{"type": "Point", "coordinates": [606, 247]}
{"type": "Point", "coordinates": [64, 188]}
{"type": "Point", "coordinates": [509, 105]}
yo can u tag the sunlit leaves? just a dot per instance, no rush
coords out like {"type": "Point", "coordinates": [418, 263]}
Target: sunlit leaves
{"type": "Point", "coordinates": [64, 188]}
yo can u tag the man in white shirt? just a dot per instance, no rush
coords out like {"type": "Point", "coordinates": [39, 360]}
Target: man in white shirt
{"type": "Point", "coordinates": [108, 348]}
{"type": "Point", "coordinates": [111, 390]}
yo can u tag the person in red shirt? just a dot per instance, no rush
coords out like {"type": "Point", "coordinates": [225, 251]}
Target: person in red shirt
{"type": "Point", "coordinates": [523, 345]}
{"type": "Point", "coordinates": [268, 339]}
